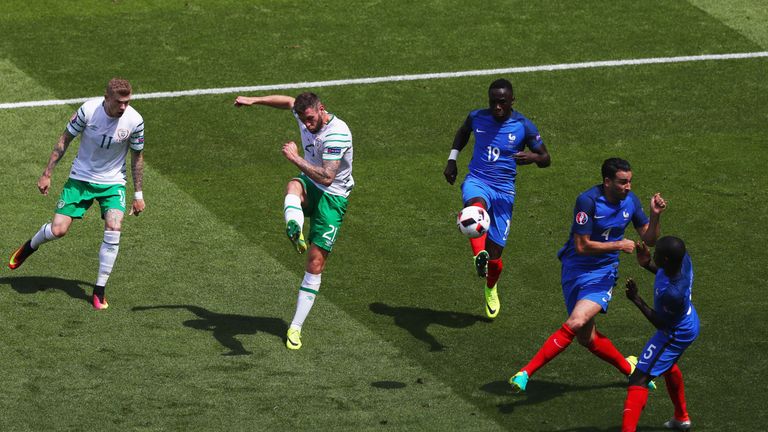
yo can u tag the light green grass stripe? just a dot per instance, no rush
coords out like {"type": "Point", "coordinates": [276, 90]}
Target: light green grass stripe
{"type": "Point", "coordinates": [748, 17]}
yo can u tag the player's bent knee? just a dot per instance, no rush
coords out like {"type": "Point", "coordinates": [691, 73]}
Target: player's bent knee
{"type": "Point", "coordinates": [576, 324]}
{"type": "Point", "coordinates": [59, 230]}
{"type": "Point", "coordinates": [295, 187]}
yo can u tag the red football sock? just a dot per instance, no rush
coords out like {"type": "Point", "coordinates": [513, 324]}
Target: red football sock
{"type": "Point", "coordinates": [637, 396]}
{"type": "Point", "coordinates": [676, 390]}
{"type": "Point", "coordinates": [553, 346]}
{"type": "Point", "coordinates": [478, 244]}
{"type": "Point", "coordinates": [602, 347]}
{"type": "Point", "coordinates": [494, 271]}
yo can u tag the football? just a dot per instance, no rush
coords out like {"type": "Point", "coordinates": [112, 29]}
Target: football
{"type": "Point", "coordinates": [473, 221]}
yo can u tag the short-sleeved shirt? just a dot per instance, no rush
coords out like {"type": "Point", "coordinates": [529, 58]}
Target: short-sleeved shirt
{"type": "Point", "coordinates": [496, 143]}
{"type": "Point", "coordinates": [604, 222]}
{"type": "Point", "coordinates": [332, 142]}
{"type": "Point", "coordinates": [104, 142]}
{"type": "Point", "coordinates": [672, 299]}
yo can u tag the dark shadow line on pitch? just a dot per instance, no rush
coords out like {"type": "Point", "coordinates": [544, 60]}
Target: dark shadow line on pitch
{"type": "Point", "coordinates": [35, 284]}
{"type": "Point", "coordinates": [416, 321]}
{"type": "Point", "coordinates": [539, 391]}
{"type": "Point", "coordinates": [226, 326]}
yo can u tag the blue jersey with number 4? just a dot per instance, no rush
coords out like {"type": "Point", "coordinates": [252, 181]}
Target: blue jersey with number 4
{"type": "Point", "coordinates": [604, 222]}
{"type": "Point", "coordinates": [496, 143]}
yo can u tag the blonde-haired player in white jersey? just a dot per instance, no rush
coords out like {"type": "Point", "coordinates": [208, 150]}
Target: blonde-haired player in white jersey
{"type": "Point", "coordinates": [108, 127]}
{"type": "Point", "coordinates": [320, 191]}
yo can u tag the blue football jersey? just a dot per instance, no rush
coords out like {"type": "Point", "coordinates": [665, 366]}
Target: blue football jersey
{"type": "Point", "coordinates": [495, 143]}
{"type": "Point", "coordinates": [672, 299]}
{"type": "Point", "coordinates": [603, 222]}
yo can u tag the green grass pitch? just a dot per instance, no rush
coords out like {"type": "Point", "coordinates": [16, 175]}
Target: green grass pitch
{"type": "Point", "coordinates": [206, 283]}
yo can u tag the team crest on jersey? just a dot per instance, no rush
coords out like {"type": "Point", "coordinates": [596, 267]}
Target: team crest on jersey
{"type": "Point", "coordinates": [60, 204]}
{"type": "Point", "coordinates": [581, 218]}
{"type": "Point", "coordinates": [122, 134]}
{"type": "Point", "coordinates": [625, 214]}
{"type": "Point", "coordinates": [512, 138]}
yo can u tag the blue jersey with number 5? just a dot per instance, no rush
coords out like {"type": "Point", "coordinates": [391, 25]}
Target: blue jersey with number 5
{"type": "Point", "coordinates": [604, 222]}
{"type": "Point", "coordinates": [496, 143]}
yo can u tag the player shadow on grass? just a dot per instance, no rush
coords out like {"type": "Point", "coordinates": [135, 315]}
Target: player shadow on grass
{"type": "Point", "coordinates": [416, 321]}
{"type": "Point", "coordinates": [34, 284]}
{"type": "Point", "coordinates": [541, 391]}
{"type": "Point", "coordinates": [226, 326]}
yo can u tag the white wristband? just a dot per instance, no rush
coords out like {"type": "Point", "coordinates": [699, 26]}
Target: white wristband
{"type": "Point", "coordinates": [454, 154]}
{"type": "Point", "coordinates": [138, 195]}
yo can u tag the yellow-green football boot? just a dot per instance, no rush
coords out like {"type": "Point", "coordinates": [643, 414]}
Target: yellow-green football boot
{"type": "Point", "coordinates": [293, 231]}
{"type": "Point", "coordinates": [293, 339]}
{"type": "Point", "coordinates": [492, 304]}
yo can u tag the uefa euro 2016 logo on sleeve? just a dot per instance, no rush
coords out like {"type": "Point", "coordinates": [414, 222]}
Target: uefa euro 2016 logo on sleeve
{"type": "Point", "coordinates": [581, 218]}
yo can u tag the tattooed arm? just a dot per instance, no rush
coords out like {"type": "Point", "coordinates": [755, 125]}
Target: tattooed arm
{"type": "Point", "coordinates": [323, 175]}
{"type": "Point", "coordinates": [44, 182]}
{"type": "Point", "coordinates": [137, 172]}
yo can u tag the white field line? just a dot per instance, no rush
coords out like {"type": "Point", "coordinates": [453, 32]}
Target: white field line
{"type": "Point", "coordinates": [394, 78]}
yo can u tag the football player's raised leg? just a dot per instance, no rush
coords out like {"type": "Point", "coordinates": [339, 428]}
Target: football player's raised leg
{"type": "Point", "coordinates": [113, 221]}
{"type": "Point", "coordinates": [310, 286]}
{"type": "Point", "coordinates": [478, 244]}
{"type": "Point", "coordinates": [48, 232]}
{"type": "Point", "coordinates": [294, 215]}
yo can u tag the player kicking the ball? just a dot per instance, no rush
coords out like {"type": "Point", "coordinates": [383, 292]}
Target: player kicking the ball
{"type": "Point", "coordinates": [501, 136]}
{"type": "Point", "coordinates": [320, 191]}
{"type": "Point", "coordinates": [109, 127]}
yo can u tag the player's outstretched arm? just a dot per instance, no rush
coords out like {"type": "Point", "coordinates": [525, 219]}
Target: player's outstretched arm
{"type": "Point", "coordinates": [274, 101]}
{"type": "Point", "coordinates": [137, 172]}
{"type": "Point", "coordinates": [460, 141]}
{"type": "Point", "coordinates": [649, 313]}
{"type": "Point", "coordinates": [44, 182]}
